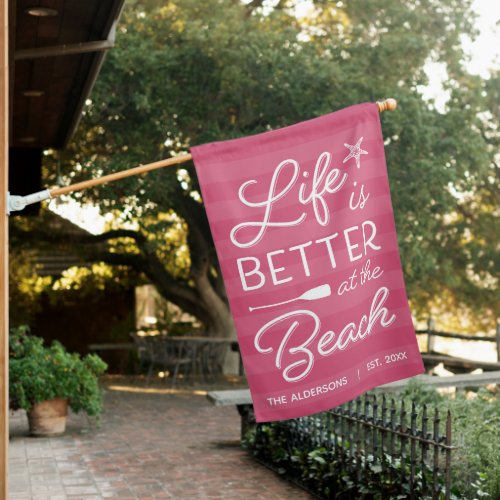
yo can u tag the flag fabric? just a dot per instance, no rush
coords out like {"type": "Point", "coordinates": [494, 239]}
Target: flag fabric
{"type": "Point", "coordinates": [304, 229]}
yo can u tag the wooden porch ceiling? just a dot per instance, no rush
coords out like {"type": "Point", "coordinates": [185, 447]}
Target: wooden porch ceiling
{"type": "Point", "coordinates": [54, 60]}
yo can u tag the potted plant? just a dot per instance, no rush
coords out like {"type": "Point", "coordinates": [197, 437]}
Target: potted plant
{"type": "Point", "coordinates": [45, 380]}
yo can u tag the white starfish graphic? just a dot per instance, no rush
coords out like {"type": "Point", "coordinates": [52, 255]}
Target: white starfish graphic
{"type": "Point", "coordinates": [355, 152]}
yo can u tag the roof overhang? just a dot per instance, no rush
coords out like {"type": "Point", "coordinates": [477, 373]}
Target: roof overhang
{"type": "Point", "coordinates": [57, 48]}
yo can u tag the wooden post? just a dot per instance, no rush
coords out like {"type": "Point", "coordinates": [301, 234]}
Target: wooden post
{"type": "Point", "coordinates": [431, 326]}
{"type": "Point", "coordinates": [498, 341]}
{"type": "Point", "coordinates": [4, 248]}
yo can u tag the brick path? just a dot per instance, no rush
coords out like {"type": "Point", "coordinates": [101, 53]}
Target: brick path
{"type": "Point", "coordinates": [149, 446]}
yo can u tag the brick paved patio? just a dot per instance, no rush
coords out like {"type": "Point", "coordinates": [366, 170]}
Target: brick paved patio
{"type": "Point", "coordinates": [150, 445]}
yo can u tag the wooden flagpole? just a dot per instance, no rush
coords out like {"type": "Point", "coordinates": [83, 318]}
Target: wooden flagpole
{"type": "Point", "coordinates": [387, 105]}
{"type": "Point", "coordinates": [120, 175]}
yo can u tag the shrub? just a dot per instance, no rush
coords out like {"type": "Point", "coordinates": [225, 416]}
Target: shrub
{"type": "Point", "coordinates": [475, 465]}
{"type": "Point", "coordinates": [475, 434]}
{"type": "Point", "coordinates": [38, 373]}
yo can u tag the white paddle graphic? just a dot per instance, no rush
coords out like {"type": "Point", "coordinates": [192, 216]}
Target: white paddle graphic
{"type": "Point", "coordinates": [318, 292]}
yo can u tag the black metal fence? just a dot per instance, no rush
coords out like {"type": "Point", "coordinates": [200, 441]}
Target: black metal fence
{"type": "Point", "coordinates": [401, 452]}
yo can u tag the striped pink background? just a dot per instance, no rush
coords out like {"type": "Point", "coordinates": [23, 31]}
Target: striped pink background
{"type": "Point", "coordinates": [222, 168]}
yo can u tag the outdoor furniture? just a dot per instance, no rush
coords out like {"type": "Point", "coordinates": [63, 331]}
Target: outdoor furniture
{"type": "Point", "coordinates": [158, 351]}
{"type": "Point", "coordinates": [196, 355]}
{"type": "Point", "coordinates": [206, 353]}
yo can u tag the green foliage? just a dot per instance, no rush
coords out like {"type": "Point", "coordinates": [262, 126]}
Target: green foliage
{"type": "Point", "coordinates": [333, 473]}
{"type": "Point", "coordinates": [29, 292]}
{"type": "Point", "coordinates": [421, 394]}
{"type": "Point", "coordinates": [187, 72]}
{"type": "Point", "coordinates": [38, 373]}
{"type": "Point", "coordinates": [476, 434]}
{"type": "Point", "coordinates": [475, 465]}
{"type": "Point", "coordinates": [25, 286]}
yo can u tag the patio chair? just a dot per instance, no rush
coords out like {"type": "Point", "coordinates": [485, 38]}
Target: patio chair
{"type": "Point", "coordinates": [159, 352]}
{"type": "Point", "coordinates": [143, 351]}
{"type": "Point", "coordinates": [173, 357]}
{"type": "Point", "coordinates": [212, 359]}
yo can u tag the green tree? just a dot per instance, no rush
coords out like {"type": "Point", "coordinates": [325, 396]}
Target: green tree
{"type": "Point", "coordinates": [185, 72]}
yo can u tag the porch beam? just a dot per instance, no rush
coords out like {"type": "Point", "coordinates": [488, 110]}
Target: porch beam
{"type": "Point", "coordinates": [4, 248]}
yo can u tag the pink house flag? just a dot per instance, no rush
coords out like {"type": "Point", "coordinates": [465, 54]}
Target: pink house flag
{"type": "Point", "coordinates": [304, 230]}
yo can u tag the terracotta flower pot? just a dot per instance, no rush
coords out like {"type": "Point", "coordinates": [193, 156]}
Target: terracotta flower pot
{"type": "Point", "coordinates": [48, 417]}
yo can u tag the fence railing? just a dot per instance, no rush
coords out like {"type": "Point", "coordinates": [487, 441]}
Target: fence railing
{"type": "Point", "coordinates": [371, 441]}
{"type": "Point", "coordinates": [432, 333]}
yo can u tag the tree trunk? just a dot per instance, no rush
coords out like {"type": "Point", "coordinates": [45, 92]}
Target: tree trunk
{"type": "Point", "coordinates": [221, 322]}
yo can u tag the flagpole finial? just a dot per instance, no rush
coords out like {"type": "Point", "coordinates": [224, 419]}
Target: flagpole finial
{"type": "Point", "coordinates": [387, 105]}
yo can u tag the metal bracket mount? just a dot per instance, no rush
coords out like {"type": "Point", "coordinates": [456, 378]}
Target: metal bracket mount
{"type": "Point", "coordinates": [16, 203]}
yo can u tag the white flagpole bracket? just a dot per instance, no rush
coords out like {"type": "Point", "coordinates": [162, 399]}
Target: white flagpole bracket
{"type": "Point", "coordinates": [16, 203]}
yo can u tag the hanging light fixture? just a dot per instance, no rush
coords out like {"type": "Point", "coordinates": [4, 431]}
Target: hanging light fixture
{"type": "Point", "coordinates": [27, 139]}
{"type": "Point", "coordinates": [37, 11]}
{"type": "Point", "coordinates": [33, 93]}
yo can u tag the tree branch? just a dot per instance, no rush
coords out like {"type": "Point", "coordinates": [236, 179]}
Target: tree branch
{"type": "Point", "coordinates": [135, 261]}
{"type": "Point", "coordinates": [186, 298]}
{"type": "Point", "coordinates": [118, 233]}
